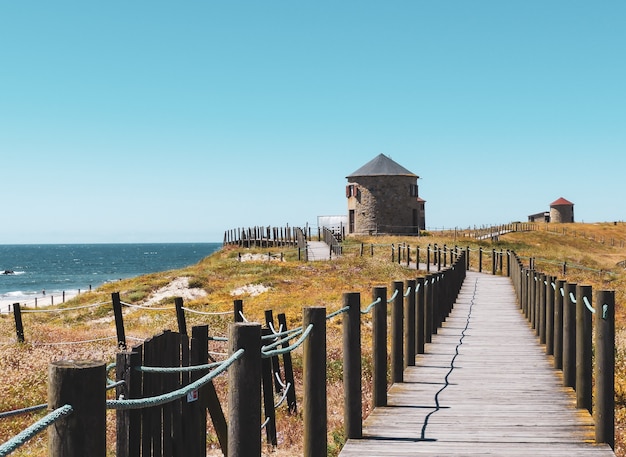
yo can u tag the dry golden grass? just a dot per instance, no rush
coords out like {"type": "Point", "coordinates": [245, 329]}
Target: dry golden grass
{"type": "Point", "coordinates": [292, 285]}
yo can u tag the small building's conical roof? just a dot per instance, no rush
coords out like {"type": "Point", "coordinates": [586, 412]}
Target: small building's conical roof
{"type": "Point", "coordinates": [561, 202]}
{"type": "Point", "coordinates": [381, 165]}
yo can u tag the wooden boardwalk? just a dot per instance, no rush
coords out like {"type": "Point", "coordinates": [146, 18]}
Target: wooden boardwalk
{"type": "Point", "coordinates": [484, 387]}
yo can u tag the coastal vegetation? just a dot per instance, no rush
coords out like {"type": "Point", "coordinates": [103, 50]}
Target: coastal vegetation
{"type": "Point", "coordinates": [285, 284]}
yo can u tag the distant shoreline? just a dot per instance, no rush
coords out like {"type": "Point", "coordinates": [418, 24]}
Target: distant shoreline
{"type": "Point", "coordinates": [41, 300]}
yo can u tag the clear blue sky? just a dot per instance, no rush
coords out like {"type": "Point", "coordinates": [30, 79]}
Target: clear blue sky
{"type": "Point", "coordinates": [132, 121]}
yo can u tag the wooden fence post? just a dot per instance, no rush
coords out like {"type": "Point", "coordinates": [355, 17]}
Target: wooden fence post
{"type": "Point", "coordinates": [244, 391]}
{"type": "Point", "coordinates": [542, 308]}
{"type": "Point", "coordinates": [397, 332]}
{"type": "Point", "coordinates": [82, 385]}
{"type": "Point", "coordinates": [238, 311]}
{"type": "Point", "coordinates": [428, 314]}
{"type": "Point", "coordinates": [480, 259]}
{"type": "Point", "coordinates": [410, 323]}
{"type": "Point", "coordinates": [119, 320]}
{"type": "Point", "coordinates": [275, 360]}
{"type": "Point", "coordinates": [352, 403]}
{"type": "Point", "coordinates": [199, 355]}
{"type": "Point", "coordinates": [288, 369]}
{"type": "Point", "coordinates": [379, 347]}
{"type": "Point", "coordinates": [558, 324]}
{"type": "Point", "coordinates": [315, 410]}
{"type": "Point", "coordinates": [128, 421]}
{"type": "Point", "coordinates": [569, 337]}
{"type": "Point", "coordinates": [180, 315]}
{"type": "Point", "coordinates": [420, 315]}
{"type": "Point", "coordinates": [550, 315]}
{"type": "Point", "coordinates": [604, 413]}
{"type": "Point", "coordinates": [268, 396]}
{"type": "Point", "coordinates": [19, 326]}
{"type": "Point", "coordinates": [584, 366]}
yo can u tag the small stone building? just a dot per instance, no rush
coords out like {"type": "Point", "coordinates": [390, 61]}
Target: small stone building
{"type": "Point", "coordinates": [561, 211]}
{"type": "Point", "coordinates": [383, 198]}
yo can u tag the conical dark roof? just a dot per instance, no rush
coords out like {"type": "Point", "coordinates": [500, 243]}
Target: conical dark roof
{"type": "Point", "coordinates": [381, 165]}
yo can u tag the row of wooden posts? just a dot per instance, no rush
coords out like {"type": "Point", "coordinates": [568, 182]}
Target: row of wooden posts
{"type": "Point", "coordinates": [418, 308]}
{"type": "Point", "coordinates": [562, 316]}
{"type": "Point", "coordinates": [266, 236]}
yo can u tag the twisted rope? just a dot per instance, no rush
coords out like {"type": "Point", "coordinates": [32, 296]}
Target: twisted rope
{"type": "Point", "coordinates": [206, 313]}
{"type": "Point", "coordinates": [275, 352]}
{"type": "Point", "coordinates": [151, 308]}
{"type": "Point", "coordinates": [338, 312]}
{"type": "Point", "coordinates": [63, 343]}
{"type": "Point", "coordinates": [26, 434]}
{"type": "Point", "coordinates": [370, 306]}
{"type": "Point", "coordinates": [138, 403]}
{"type": "Point", "coordinates": [17, 412]}
{"type": "Point", "coordinates": [190, 368]}
{"type": "Point", "coordinates": [60, 310]}
{"type": "Point", "coordinates": [278, 342]}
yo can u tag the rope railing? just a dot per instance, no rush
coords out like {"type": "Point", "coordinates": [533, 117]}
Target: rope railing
{"type": "Point", "coordinates": [21, 438]}
{"type": "Point", "coordinates": [292, 331]}
{"type": "Point", "coordinates": [61, 310]}
{"type": "Point", "coordinates": [150, 308]}
{"type": "Point", "coordinates": [369, 307]}
{"type": "Point", "coordinates": [393, 297]}
{"type": "Point", "coordinates": [139, 403]}
{"type": "Point", "coordinates": [338, 312]}
{"type": "Point", "coordinates": [28, 409]}
{"type": "Point", "coordinates": [207, 313]}
{"type": "Point", "coordinates": [271, 353]}
{"type": "Point", "coordinates": [184, 369]}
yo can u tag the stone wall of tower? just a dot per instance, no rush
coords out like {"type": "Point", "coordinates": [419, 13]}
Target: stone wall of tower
{"type": "Point", "coordinates": [561, 214]}
{"type": "Point", "coordinates": [383, 204]}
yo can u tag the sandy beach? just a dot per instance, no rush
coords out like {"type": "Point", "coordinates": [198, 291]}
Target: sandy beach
{"type": "Point", "coordinates": [37, 301]}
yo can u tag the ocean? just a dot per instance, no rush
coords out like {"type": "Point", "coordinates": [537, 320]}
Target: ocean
{"type": "Point", "coordinates": [32, 271]}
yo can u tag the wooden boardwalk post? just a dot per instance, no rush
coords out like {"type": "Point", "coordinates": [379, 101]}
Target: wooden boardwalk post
{"type": "Point", "coordinates": [315, 409]}
{"type": "Point", "coordinates": [420, 317]}
{"type": "Point", "coordinates": [584, 366]}
{"type": "Point", "coordinates": [352, 403]}
{"type": "Point", "coordinates": [569, 336]}
{"type": "Point", "coordinates": [410, 323]}
{"type": "Point", "coordinates": [244, 391]}
{"type": "Point", "coordinates": [558, 323]}
{"type": "Point", "coordinates": [550, 315]}
{"type": "Point", "coordinates": [379, 347]}
{"type": "Point", "coordinates": [604, 413]}
{"type": "Point", "coordinates": [80, 384]}
{"type": "Point", "coordinates": [397, 332]}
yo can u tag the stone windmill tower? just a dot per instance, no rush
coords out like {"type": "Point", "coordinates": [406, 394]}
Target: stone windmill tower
{"type": "Point", "coordinates": [383, 198]}
{"type": "Point", "coordinates": [561, 211]}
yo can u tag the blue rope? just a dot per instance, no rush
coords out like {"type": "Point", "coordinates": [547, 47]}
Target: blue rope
{"type": "Point", "coordinates": [207, 366]}
{"type": "Point", "coordinates": [338, 312]}
{"type": "Point", "coordinates": [138, 403]}
{"type": "Point", "coordinates": [277, 343]}
{"type": "Point", "coordinates": [17, 412]}
{"type": "Point", "coordinates": [26, 434]}
{"type": "Point", "coordinates": [275, 352]}
{"type": "Point", "coordinates": [370, 306]}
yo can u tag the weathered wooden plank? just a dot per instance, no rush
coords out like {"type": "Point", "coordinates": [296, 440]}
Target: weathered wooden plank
{"type": "Point", "coordinates": [483, 387]}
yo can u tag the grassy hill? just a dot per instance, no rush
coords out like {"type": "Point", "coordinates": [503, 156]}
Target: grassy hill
{"type": "Point", "coordinates": [591, 253]}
